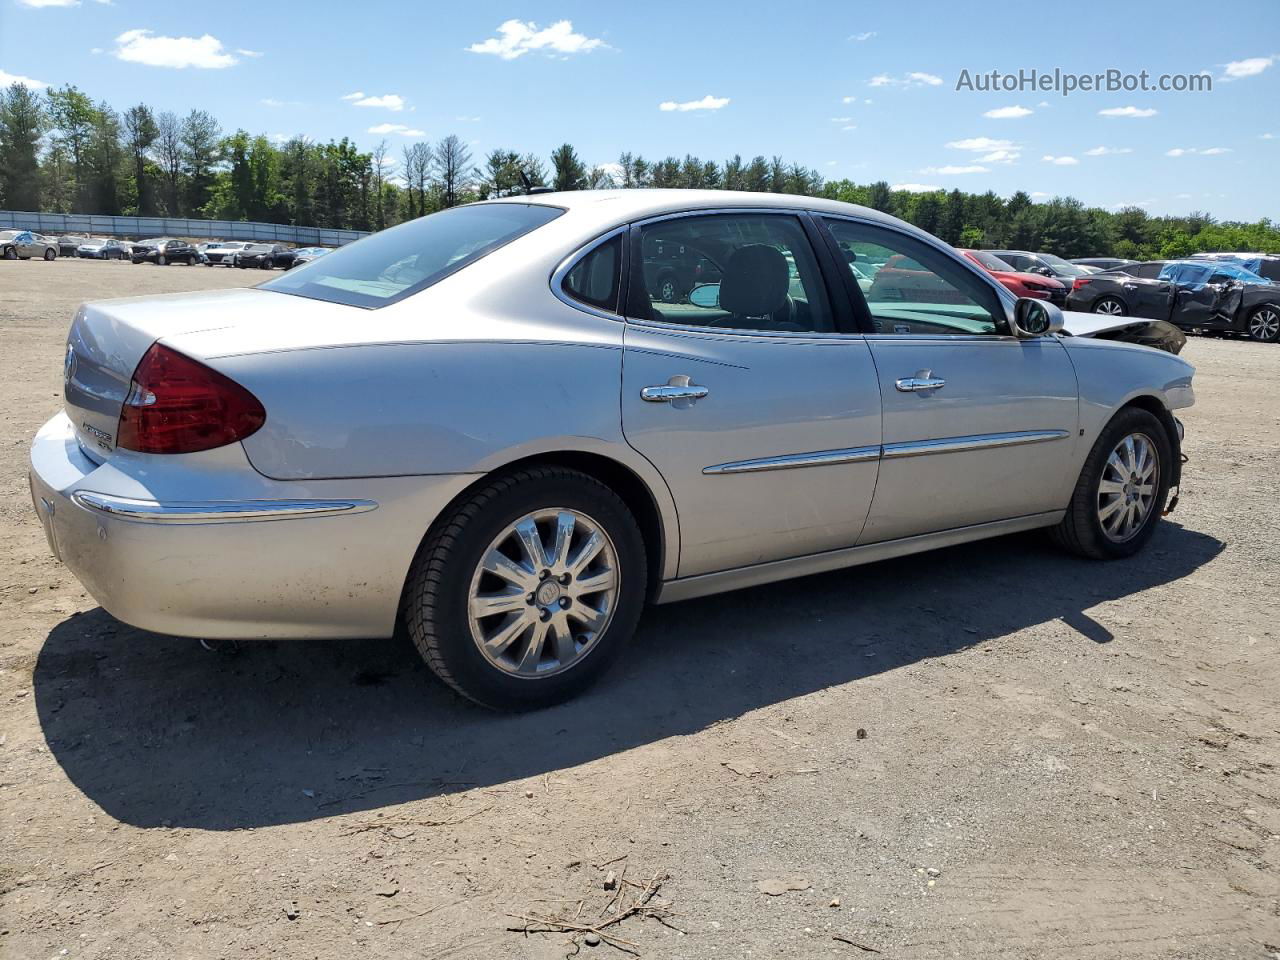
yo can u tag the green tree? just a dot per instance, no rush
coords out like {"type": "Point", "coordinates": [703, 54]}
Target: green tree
{"type": "Point", "coordinates": [140, 133]}
{"type": "Point", "coordinates": [72, 114]}
{"type": "Point", "coordinates": [569, 173]}
{"type": "Point", "coordinates": [22, 122]}
{"type": "Point", "coordinates": [201, 140]}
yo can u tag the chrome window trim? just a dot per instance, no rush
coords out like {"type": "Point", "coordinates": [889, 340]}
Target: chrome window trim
{"type": "Point", "coordinates": [820, 458]}
{"type": "Point", "coordinates": [568, 263]}
{"type": "Point", "coordinates": [214, 511]}
{"type": "Point", "coordinates": [985, 441]}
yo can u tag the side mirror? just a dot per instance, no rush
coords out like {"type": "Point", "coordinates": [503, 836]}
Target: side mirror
{"type": "Point", "coordinates": [1035, 318]}
{"type": "Point", "coordinates": [706, 296]}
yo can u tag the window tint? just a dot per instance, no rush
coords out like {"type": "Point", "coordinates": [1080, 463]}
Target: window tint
{"type": "Point", "coordinates": [736, 271]}
{"type": "Point", "coordinates": [395, 263]}
{"type": "Point", "coordinates": [915, 288]}
{"type": "Point", "coordinates": [594, 278]}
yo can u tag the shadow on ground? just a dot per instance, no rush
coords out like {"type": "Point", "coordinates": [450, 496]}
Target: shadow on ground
{"type": "Point", "coordinates": [157, 731]}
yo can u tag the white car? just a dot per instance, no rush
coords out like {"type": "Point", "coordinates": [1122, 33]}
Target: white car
{"type": "Point", "coordinates": [483, 426]}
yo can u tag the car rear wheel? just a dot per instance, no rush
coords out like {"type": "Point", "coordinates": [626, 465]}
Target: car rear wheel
{"type": "Point", "coordinates": [528, 591]}
{"type": "Point", "coordinates": [668, 288]}
{"type": "Point", "coordinates": [1264, 324]}
{"type": "Point", "coordinates": [1111, 306]}
{"type": "Point", "coordinates": [160, 260]}
{"type": "Point", "coordinates": [1120, 496]}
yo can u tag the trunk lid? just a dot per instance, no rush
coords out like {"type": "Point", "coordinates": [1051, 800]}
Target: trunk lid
{"type": "Point", "coordinates": [108, 338]}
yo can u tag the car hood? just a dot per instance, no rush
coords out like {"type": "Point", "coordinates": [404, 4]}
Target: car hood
{"type": "Point", "coordinates": [1050, 282]}
{"type": "Point", "coordinates": [1091, 324]}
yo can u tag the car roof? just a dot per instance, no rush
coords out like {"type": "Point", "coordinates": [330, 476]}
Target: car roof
{"type": "Point", "coordinates": [618, 206]}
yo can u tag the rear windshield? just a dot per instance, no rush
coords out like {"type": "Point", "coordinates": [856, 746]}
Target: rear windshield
{"type": "Point", "coordinates": [399, 262]}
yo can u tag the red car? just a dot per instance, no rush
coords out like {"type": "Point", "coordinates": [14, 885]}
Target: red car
{"type": "Point", "coordinates": [1019, 284]}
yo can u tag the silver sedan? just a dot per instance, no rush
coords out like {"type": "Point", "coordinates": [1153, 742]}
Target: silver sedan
{"type": "Point", "coordinates": [508, 426]}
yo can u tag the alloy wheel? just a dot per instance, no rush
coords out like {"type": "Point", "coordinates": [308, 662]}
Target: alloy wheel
{"type": "Point", "coordinates": [1265, 325]}
{"type": "Point", "coordinates": [1127, 490]}
{"type": "Point", "coordinates": [1110, 306]}
{"type": "Point", "coordinates": [543, 593]}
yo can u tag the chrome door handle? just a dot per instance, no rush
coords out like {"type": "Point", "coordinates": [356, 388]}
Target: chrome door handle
{"type": "Point", "coordinates": [923, 380]}
{"type": "Point", "coordinates": [678, 388]}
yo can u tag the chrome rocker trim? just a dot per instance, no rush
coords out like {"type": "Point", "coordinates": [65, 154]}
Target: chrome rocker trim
{"type": "Point", "coordinates": [215, 511]}
{"type": "Point", "coordinates": [702, 585]}
{"type": "Point", "coordinates": [790, 462]}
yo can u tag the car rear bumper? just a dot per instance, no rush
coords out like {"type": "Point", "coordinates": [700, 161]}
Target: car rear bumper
{"type": "Point", "coordinates": [269, 559]}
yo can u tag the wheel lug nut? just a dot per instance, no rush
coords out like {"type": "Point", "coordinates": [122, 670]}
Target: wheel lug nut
{"type": "Point", "coordinates": [546, 614]}
{"type": "Point", "coordinates": [531, 599]}
{"type": "Point", "coordinates": [564, 602]}
{"type": "Point", "coordinates": [544, 574]}
{"type": "Point", "coordinates": [566, 579]}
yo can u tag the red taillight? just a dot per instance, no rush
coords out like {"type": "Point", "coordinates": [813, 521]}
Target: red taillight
{"type": "Point", "coordinates": [176, 405]}
{"type": "Point", "coordinates": [1079, 282]}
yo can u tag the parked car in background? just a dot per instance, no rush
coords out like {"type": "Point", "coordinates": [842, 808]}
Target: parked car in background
{"type": "Point", "coordinates": [1209, 295]}
{"type": "Point", "coordinates": [23, 245]}
{"type": "Point", "coordinates": [222, 252]}
{"type": "Point", "coordinates": [428, 423]}
{"type": "Point", "coordinates": [68, 245]}
{"type": "Point", "coordinates": [259, 255]}
{"type": "Point", "coordinates": [676, 268]}
{"type": "Point", "coordinates": [102, 248]}
{"type": "Point", "coordinates": [1264, 265]}
{"type": "Point", "coordinates": [1102, 263]}
{"type": "Point", "coordinates": [1045, 264]}
{"type": "Point", "coordinates": [306, 255]}
{"type": "Point", "coordinates": [1020, 284]}
{"type": "Point", "coordinates": [163, 251]}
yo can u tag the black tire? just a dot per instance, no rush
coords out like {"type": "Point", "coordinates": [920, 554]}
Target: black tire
{"type": "Point", "coordinates": [1263, 324]}
{"type": "Point", "coordinates": [1121, 309]}
{"type": "Point", "coordinates": [50, 255]}
{"type": "Point", "coordinates": [435, 605]}
{"type": "Point", "coordinates": [161, 261]}
{"type": "Point", "coordinates": [10, 253]}
{"type": "Point", "coordinates": [669, 287]}
{"type": "Point", "coordinates": [1081, 530]}
{"type": "Point", "coordinates": [265, 264]}
{"type": "Point", "coordinates": [191, 261]}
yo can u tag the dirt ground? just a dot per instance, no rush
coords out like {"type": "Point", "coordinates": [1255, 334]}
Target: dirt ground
{"type": "Point", "coordinates": [993, 751]}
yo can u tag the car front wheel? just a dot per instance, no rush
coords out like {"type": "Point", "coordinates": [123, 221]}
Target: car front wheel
{"type": "Point", "coordinates": [10, 253]}
{"type": "Point", "coordinates": [1264, 324]}
{"type": "Point", "coordinates": [1120, 496]}
{"type": "Point", "coordinates": [49, 255]}
{"type": "Point", "coordinates": [528, 590]}
{"type": "Point", "coordinates": [161, 261]}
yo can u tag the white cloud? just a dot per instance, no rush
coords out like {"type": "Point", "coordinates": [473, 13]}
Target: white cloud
{"type": "Point", "coordinates": [142, 46]}
{"type": "Point", "coordinates": [706, 103]}
{"type": "Point", "coordinates": [1251, 67]}
{"type": "Point", "coordinates": [953, 170]}
{"type": "Point", "coordinates": [1039, 194]}
{"type": "Point", "coordinates": [1000, 156]}
{"type": "Point", "coordinates": [611, 170]}
{"type": "Point", "coordinates": [1177, 152]}
{"type": "Point", "coordinates": [1266, 136]}
{"type": "Point", "coordinates": [1187, 151]}
{"type": "Point", "coordinates": [273, 102]}
{"type": "Point", "coordinates": [1060, 161]}
{"type": "Point", "coordinates": [400, 128]}
{"type": "Point", "coordinates": [842, 119]}
{"type": "Point", "coordinates": [849, 126]}
{"type": "Point", "coordinates": [1106, 151]}
{"type": "Point", "coordinates": [1182, 196]}
{"type": "Point", "coordinates": [1042, 104]}
{"type": "Point", "coordinates": [860, 37]}
{"type": "Point", "coordinates": [57, 3]}
{"type": "Point", "coordinates": [976, 144]}
{"type": "Point", "coordinates": [914, 79]}
{"type": "Point", "coordinates": [852, 100]}
{"type": "Point", "coordinates": [388, 101]}
{"type": "Point", "coordinates": [1127, 112]}
{"type": "Point", "coordinates": [1007, 113]}
{"type": "Point", "coordinates": [249, 53]}
{"type": "Point", "coordinates": [1215, 151]}
{"type": "Point", "coordinates": [915, 187]}
{"type": "Point", "coordinates": [8, 79]}
{"type": "Point", "coordinates": [466, 119]}
{"type": "Point", "coordinates": [516, 38]}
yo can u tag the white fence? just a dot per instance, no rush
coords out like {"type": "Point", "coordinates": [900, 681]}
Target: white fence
{"type": "Point", "coordinates": [141, 227]}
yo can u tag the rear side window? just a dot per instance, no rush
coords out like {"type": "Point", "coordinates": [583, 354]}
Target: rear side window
{"type": "Point", "coordinates": [593, 280]}
{"type": "Point", "coordinates": [397, 263]}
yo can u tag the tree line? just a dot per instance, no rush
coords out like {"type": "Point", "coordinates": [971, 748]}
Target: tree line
{"type": "Point", "coordinates": [61, 151]}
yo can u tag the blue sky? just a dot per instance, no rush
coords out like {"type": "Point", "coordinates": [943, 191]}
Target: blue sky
{"type": "Point", "coordinates": [854, 89]}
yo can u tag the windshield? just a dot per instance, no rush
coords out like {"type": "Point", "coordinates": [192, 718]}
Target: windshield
{"type": "Point", "coordinates": [991, 261]}
{"type": "Point", "coordinates": [396, 263]}
{"type": "Point", "coordinates": [1062, 267]}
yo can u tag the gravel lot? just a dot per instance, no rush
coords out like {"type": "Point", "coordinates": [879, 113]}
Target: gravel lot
{"type": "Point", "coordinates": [992, 751]}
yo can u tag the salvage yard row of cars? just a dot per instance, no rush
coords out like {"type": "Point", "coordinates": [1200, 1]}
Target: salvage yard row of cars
{"type": "Point", "coordinates": [27, 245]}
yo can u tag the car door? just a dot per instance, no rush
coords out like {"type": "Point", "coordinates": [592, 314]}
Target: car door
{"type": "Point", "coordinates": [749, 395]}
{"type": "Point", "coordinates": [978, 426]}
{"type": "Point", "coordinates": [27, 245]}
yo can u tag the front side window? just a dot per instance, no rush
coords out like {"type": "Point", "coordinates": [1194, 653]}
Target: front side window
{"type": "Point", "coordinates": [916, 289]}
{"type": "Point", "coordinates": [991, 261]}
{"type": "Point", "coordinates": [736, 271]}
{"type": "Point", "coordinates": [593, 280]}
{"type": "Point", "coordinates": [396, 263]}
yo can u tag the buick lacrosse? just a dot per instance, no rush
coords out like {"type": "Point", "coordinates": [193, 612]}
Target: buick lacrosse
{"type": "Point", "coordinates": [497, 429]}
